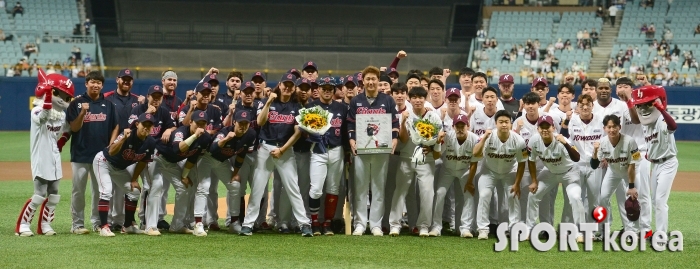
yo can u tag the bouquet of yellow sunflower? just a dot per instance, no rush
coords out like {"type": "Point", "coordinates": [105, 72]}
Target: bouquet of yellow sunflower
{"type": "Point", "coordinates": [315, 121]}
{"type": "Point", "coordinates": [424, 132]}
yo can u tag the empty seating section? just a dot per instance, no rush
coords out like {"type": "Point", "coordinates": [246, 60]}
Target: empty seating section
{"type": "Point", "coordinates": [516, 27]}
{"type": "Point", "coordinates": [52, 17]}
{"type": "Point", "coordinates": [573, 22]}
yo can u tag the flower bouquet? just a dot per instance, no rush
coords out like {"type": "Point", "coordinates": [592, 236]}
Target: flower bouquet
{"type": "Point", "coordinates": [424, 132]}
{"type": "Point", "coordinates": [315, 121]}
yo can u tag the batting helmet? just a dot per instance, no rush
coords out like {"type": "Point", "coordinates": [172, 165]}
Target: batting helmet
{"type": "Point", "coordinates": [647, 94]}
{"type": "Point", "coordinates": [53, 81]}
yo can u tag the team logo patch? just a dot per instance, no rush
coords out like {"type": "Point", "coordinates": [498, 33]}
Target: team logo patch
{"type": "Point", "coordinates": [178, 135]}
{"type": "Point", "coordinates": [127, 71]}
{"type": "Point", "coordinates": [636, 155]}
{"type": "Point", "coordinates": [157, 88]}
{"type": "Point", "coordinates": [201, 114]}
{"type": "Point", "coordinates": [244, 114]}
{"type": "Point", "coordinates": [148, 116]}
{"type": "Point", "coordinates": [212, 76]}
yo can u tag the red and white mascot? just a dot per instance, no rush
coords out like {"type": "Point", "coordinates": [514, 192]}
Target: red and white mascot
{"type": "Point", "coordinates": [53, 94]}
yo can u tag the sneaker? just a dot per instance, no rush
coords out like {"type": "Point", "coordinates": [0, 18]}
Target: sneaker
{"type": "Point", "coordinates": [376, 231]}
{"type": "Point", "coordinates": [327, 229]}
{"type": "Point", "coordinates": [483, 234]}
{"type": "Point", "coordinates": [183, 230]}
{"type": "Point", "coordinates": [316, 230]}
{"type": "Point", "coordinates": [79, 230]}
{"type": "Point", "coordinates": [404, 224]}
{"type": "Point", "coordinates": [214, 227]}
{"type": "Point", "coordinates": [423, 232]}
{"type": "Point", "coordinates": [116, 227]}
{"type": "Point", "coordinates": [359, 230]}
{"type": "Point", "coordinates": [434, 232]}
{"type": "Point", "coordinates": [199, 230]}
{"type": "Point", "coordinates": [466, 234]}
{"type": "Point", "coordinates": [131, 230]}
{"type": "Point", "coordinates": [25, 234]}
{"type": "Point", "coordinates": [106, 231]}
{"type": "Point", "coordinates": [306, 231]}
{"type": "Point", "coordinates": [394, 232]}
{"type": "Point", "coordinates": [153, 231]}
{"type": "Point", "coordinates": [246, 231]}
{"type": "Point", "coordinates": [234, 227]}
{"type": "Point", "coordinates": [296, 229]}
{"type": "Point", "coordinates": [163, 225]}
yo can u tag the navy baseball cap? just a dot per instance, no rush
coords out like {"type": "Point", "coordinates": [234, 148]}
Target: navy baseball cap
{"type": "Point", "coordinates": [393, 71]}
{"type": "Point", "coordinates": [339, 81]}
{"type": "Point", "coordinates": [247, 85]}
{"type": "Point", "coordinates": [303, 81]}
{"type": "Point", "coordinates": [202, 86]}
{"type": "Point", "coordinates": [358, 76]}
{"type": "Point", "coordinates": [125, 73]}
{"type": "Point", "coordinates": [314, 84]}
{"type": "Point", "coordinates": [350, 79]}
{"type": "Point", "coordinates": [308, 65]}
{"type": "Point", "coordinates": [210, 78]}
{"type": "Point", "coordinates": [199, 115]}
{"type": "Point", "coordinates": [155, 89]}
{"type": "Point", "coordinates": [288, 77]}
{"type": "Point", "coordinates": [295, 72]}
{"type": "Point", "coordinates": [326, 81]}
{"type": "Point", "coordinates": [146, 117]}
{"type": "Point", "coordinates": [258, 75]}
{"type": "Point", "coordinates": [242, 115]}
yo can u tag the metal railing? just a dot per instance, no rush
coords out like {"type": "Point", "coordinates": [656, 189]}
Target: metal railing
{"type": "Point", "coordinates": [100, 57]}
{"type": "Point", "coordinates": [297, 34]}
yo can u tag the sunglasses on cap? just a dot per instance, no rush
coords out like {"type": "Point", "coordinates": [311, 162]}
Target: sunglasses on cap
{"type": "Point", "coordinates": [62, 95]}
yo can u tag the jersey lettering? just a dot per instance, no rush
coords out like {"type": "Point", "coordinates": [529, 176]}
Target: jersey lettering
{"type": "Point", "coordinates": [89, 117]}
{"type": "Point", "coordinates": [587, 137]}
{"type": "Point", "coordinates": [617, 160]}
{"type": "Point", "coordinates": [275, 117]}
{"type": "Point", "coordinates": [550, 160]}
{"type": "Point", "coordinates": [131, 155]}
{"type": "Point", "coordinates": [501, 156]}
{"type": "Point", "coordinates": [651, 137]}
{"type": "Point", "coordinates": [53, 128]}
{"type": "Point", "coordinates": [457, 158]}
{"type": "Point", "coordinates": [188, 153]}
{"type": "Point", "coordinates": [365, 110]}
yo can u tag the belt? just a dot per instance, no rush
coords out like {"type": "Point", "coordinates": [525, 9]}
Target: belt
{"type": "Point", "coordinates": [563, 172]}
{"type": "Point", "coordinates": [273, 143]}
{"type": "Point", "coordinates": [660, 160]}
{"type": "Point", "coordinates": [397, 153]}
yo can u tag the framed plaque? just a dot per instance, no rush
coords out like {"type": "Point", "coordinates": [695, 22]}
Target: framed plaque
{"type": "Point", "coordinates": [373, 133]}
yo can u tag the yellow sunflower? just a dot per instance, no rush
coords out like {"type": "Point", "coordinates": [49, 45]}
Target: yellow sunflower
{"type": "Point", "coordinates": [314, 121]}
{"type": "Point", "coordinates": [425, 130]}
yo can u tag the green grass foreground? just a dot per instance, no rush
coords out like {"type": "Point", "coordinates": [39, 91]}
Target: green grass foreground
{"type": "Point", "coordinates": [271, 250]}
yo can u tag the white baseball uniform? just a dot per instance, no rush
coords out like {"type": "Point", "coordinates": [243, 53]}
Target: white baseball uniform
{"type": "Point", "coordinates": [546, 213]}
{"type": "Point", "coordinates": [454, 192]}
{"type": "Point", "coordinates": [662, 151]}
{"type": "Point", "coordinates": [582, 135]}
{"type": "Point", "coordinates": [500, 165]}
{"type": "Point", "coordinates": [457, 159]}
{"type": "Point", "coordinates": [473, 102]}
{"type": "Point", "coordinates": [562, 170]}
{"type": "Point", "coordinates": [641, 181]}
{"type": "Point", "coordinates": [619, 158]}
{"type": "Point", "coordinates": [479, 122]}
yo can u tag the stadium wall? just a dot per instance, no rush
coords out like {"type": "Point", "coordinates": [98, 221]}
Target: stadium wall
{"type": "Point", "coordinates": [16, 96]}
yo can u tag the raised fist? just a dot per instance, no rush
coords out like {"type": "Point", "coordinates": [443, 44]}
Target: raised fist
{"type": "Point", "coordinates": [127, 132]}
{"type": "Point", "coordinates": [199, 131]}
{"type": "Point", "coordinates": [552, 100]}
{"type": "Point", "coordinates": [487, 133]}
{"type": "Point", "coordinates": [568, 114]}
{"type": "Point", "coordinates": [213, 71]}
{"type": "Point", "coordinates": [446, 73]}
{"type": "Point", "coordinates": [596, 145]}
{"type": "Point", "coordinates": [231, 134]}
{"type": "Point", "coordinates": [561, 138]}
{"type": "Point", "coordinates": [404, 116]}
{"type": "Point", "coordinates": [520, 124]}
{"type": "Point", "coordinates": [141, 99]}
{"type": "Point", "coordinates": [85, 106]}
{"type": "Point", "coordinates": [383, 69]}
{"type": "Point", "coordinates": [188, 94]}
{"type": "Point", "coordinates": [402, 54]}
{"type": "Point", "coordinates": [272, 97]}
{"type": "Point", "coordinates": [193, 104]}
{"type": "Point", "coordinates": [151, 109]}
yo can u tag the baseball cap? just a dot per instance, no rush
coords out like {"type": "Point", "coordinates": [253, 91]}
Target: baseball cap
{"type": "Point", "coordinates": [309, 64]}
{"type": "Point", "coordinates": [314, 84]}
{"type": "Point", "coordinates": [545, 119]}
{"type": "Point", "coordinates": [505, 78]}
{"type": "Point", "coordinates": [146, 117]}
{"type": "Point", "coordinates": [385, 78]}
{"type": "Point", "coordinates": [453, 92]}
{"type": "Point", "coordinates": [460, 118]}
{"type": "Point", "coordinates": [326, 81]}
{"type": "Point", "coordinates": [155, 89]}
{"type": "Point", "coordinates": [242, 115]}
{"type": "Point", "coordinates": [303, 81]}
{"type": "Point", "coordinates": [350, 79]}
{"type": "Point", "coordinates": [202, 86]}
{"type": "Point", "coordinates": [358, 76]}
{"type": "Point", "coordinates": [538, 81]}
{"type": "Point", "coordinates": [392, 71]}
{"type": "Point", "coordinates": [339, 81]}
{"type": "Point", "coordinates": [288, 77]}
{"type": "Point", "coordinates": [125, 73]}
{"type": "Point", "coordinates": [295, 72]}
{"type": "Point", "coordinates": [259, 74]}
{"type": "Point", "coordinates": [199, 115]}
{"type": "Point", "coordinates": [247, 85]}
{"type": "Point", "coordinates": [210, 78]}
{"type": "Point", "coordinates": [413, 75]}
{"type": "Point", "coordinates": [632, 208]}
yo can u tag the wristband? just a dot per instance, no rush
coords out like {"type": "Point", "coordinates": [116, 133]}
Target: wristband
{"type": "Point", "coordinates": [351, 135]}
{"type": "Point", "coordinates": [631, 185]}
{"type": "Point", "coordinates": [566, 122]}
{"type": "Point", "coordinates": [190, 140]}
{"type": "Point", "coordinates": [185, 172]}
{"type": "Point", "coordinates": [394, 134]}
{"type": "Point", "coordinates": [629, 104]}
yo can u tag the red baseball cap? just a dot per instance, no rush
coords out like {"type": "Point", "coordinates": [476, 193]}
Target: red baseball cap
{"type": "Point", "coordinates": [506, 78]}
{"type": "Point", "coordinates": [453, 92]}
{"type": "Point", "coordinates": [538, 81]}
{"type": "Point", "coordinates": [546, 119]}
{"type": "Point", "coordinates": [460, 118]}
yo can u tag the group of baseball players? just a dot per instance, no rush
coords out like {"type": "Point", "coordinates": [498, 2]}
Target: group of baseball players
{"type": "Point", "coordinates": [500, 159]}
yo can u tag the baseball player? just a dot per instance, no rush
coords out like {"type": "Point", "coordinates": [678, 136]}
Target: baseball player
{"type": "Point", "coordinates": [399, 94]}
{"type": "Point", "coordinates": [163, 126]}
{"type": "Point", "coordinates": [233, 86]}
{"type": "Point", "coordinates": [559, 158]}
{"type": "Point", "coordinates": [93, 124]}
{"type": "Point", "coordinates": [124, 101]}
{"type": "Point", "coordinates": [203, 94]}
{"type": "Point", "coordinates": [174, 161]}
{"type": "Point", "coordinates": [371, 169]}
{"type": "Point", "coordinates": [121, 164]}
{"type": "Point", "coordinates": [501, 152]}
{"type": "Point", "coordinates": [408, 171]}
{"type": "Point", "coordinates": [309, 70]}
{"type": "Point", "coordinates": [327, 161]}
{"type": "Point", "coordinates": [622, 155]}
{"type": "Point", "coordinates": [53, 93]}
{"type": "Point", "coordinates": [623, 88]}
{"type": "Point", "coordinates": [658, 127]}
{"type": "Point", "coordinates": [372, 131]}
{"type": "Point", "coordinates": [172, 103]}
{"type": "Point", "coordinates": [510, 103]}
{"type": "Point", "coordinates": [475, 101]}
{"type": "Point", "coordinates": [278, 133]}
{"type": "Point", "coordinates": [541, 88]}
{"type": "Point", "coordinates": [384, 84]}
{"type": "Point", "coordinates": [230, 141]}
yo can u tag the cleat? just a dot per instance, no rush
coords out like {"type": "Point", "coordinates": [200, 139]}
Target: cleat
{"type": "Point", "coordinates": [376, 231]}
{"type": "Point", "coordinates": [234, 227]}
{"type": "Point", "coordinates": [199, 230]}
{"type": "Point", "coordinates": [327, 229]}
{"type": "Point", "coordinates": [265, 226]}
{"type": "Point", "coordinates": [423, 232]}
{"type": "Point", "coordinates": [414, 231]}
{"type": "Point", "coordinates": [394, 232]}
{"type": "Point", "coordinates": [466, 234]}
{"type": "Point", "coordinates": [79, 230]}
{"type": "Point", "coordinates": [483, 234]}
{"type": "Point", "coordinates": [106, 231]}
{"type": "Point", "coordinates": [246, 231]}
{"type": "Point", "coordinates": [163, 225]}
{"type": "Point", "coordinates": [131, 230]}
{"type": "Point", "coordinates": [214, 227]}
{"type": "Point", "coordinates": [434, 233]}
{"type": "Point", "coordinates": [359, 230]}
{"type": "Point", "coordinates": [316, 229]}
{"type": "Point", "coordinates": [306, 231]}
{"type": "Point", "coordinates": [183, 230]}
{"type": "Point", "coordinates": [116, 227]}
{"type": "Point", "coordinates": [153, 231]}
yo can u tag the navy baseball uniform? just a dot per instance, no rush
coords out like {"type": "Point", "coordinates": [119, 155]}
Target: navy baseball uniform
{"type": "Point", "coordinates": [214, 123]}
{"type": "Point", "coordinates": [95, 134]}
{"type": "Point", "coordinates": [172, 103]}
{"type": "Point", "coordinates": [163, 119]}
{"type": "Point", "coordinates": [370, 170]}
{"type": "Point", "coordinates": [123, 106]}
